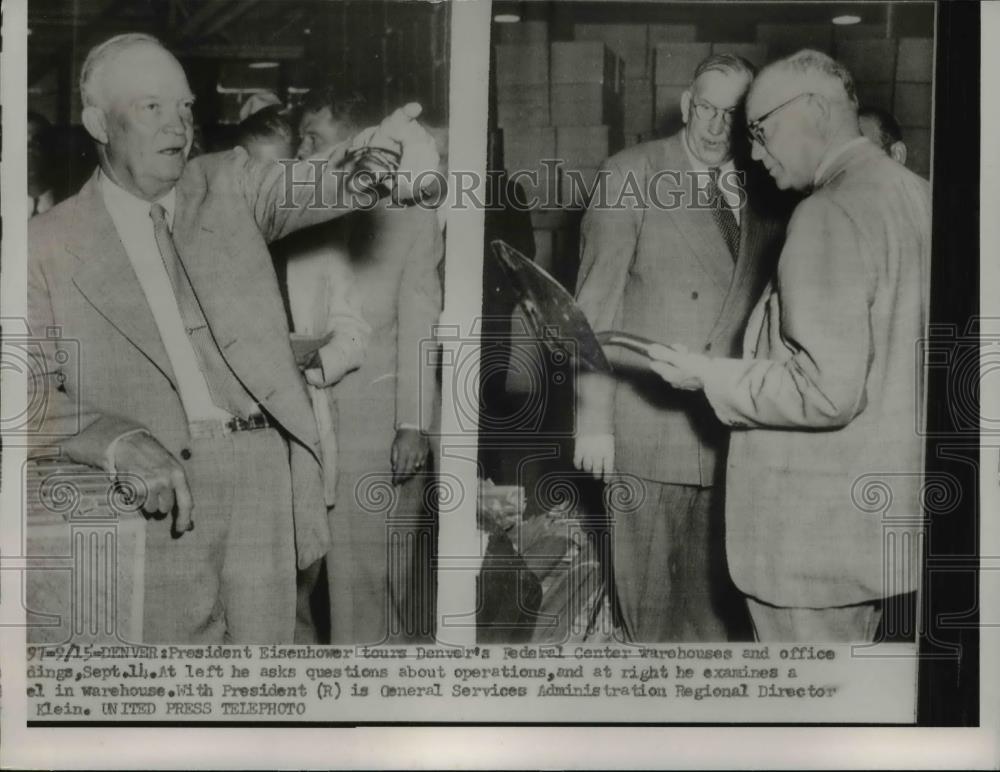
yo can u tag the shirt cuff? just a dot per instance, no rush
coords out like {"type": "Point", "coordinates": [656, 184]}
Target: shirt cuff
{"type": "Point", "coordinates": [109, 454]}
{"type": "Point", "coordinates": [720, 379]}
{"type": "Point", "coordinates": [406, 425]}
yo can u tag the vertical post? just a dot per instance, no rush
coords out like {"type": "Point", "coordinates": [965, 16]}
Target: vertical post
{"type": "Point", "coordinates": [458, 541]}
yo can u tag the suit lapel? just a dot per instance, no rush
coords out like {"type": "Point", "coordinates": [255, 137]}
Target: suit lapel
{"type": "Point", "coordinates": [248, 320]}
{"type": "Point", "coordinates": [697, 227]}
{"type": "Point", "coordinates": [752, 232]}
{"type": "Point", "coordinates": [108, 281]}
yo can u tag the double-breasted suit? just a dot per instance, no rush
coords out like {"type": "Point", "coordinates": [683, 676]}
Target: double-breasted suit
{"type": "Point", "coordinates": [655, 263]}
{"type": "Point", "coordinates": [81, 283]}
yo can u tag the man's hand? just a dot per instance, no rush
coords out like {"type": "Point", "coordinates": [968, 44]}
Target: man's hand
{"type": "Point", "coordinates": [409, 454]}
{"type": "Point", "coordinates": [166, 484]}
{"type": "Point", "coordinates": [401, 133]}
{"type": "Point", "coordinates": [678, 367]}
{"type": "Point", "coordinates": [306, 349]}
{"type": "Point", "coordinates": [595, 453]}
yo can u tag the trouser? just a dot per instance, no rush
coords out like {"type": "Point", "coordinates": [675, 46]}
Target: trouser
{"type": "Point", "coordinates": [231, 579]}
{"type": "Point", "coordinates": [670, 572]}
{"type": "Point", "coordinates": [379, 564]}
{"type": "Point", "coordinates": [840, 624]}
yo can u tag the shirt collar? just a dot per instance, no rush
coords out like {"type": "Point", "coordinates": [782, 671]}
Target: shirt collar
{"type": "Point", "coordinates": [700, 166]}
{"type": "Point", "coordinates": [120, 200]}
{"type": "Point", "coordinates": [833, 154]}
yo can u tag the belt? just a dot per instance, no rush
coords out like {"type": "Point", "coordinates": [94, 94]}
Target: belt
{"type": "Point", "coordinates": [235, 424]}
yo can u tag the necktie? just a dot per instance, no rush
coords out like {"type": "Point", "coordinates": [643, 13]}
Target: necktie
{"type": "Point", "coordinates": [723, 215]}
{"type": "Point", "coordinates": [226, 390]}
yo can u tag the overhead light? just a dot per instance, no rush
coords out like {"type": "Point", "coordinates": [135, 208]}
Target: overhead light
{"type": "Point", "coordinates": [262, 65]}
{"type": "Point", "coordinates": [847, 19]}
{"type": "Point", "coordinates": [506, 18]}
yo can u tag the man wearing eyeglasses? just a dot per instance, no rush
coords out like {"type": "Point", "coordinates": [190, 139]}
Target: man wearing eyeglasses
{"type": "Point", "coordinates": [823, 481]}
{"type": "Point", "coordinates": [683, 259]}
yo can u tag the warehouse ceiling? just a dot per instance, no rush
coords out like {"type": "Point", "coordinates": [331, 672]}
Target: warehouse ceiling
{"type": "Point", "coordinates": [219, 29]}
{"type": "Point", "coordinates": [725, 20]}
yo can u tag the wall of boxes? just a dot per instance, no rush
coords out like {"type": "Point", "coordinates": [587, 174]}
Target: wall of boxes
{"type": "Point", "coordinates": [615, 85]}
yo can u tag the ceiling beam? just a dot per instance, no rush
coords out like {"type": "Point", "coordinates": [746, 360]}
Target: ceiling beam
{"type": "Point", "coordinates": [238, 9]}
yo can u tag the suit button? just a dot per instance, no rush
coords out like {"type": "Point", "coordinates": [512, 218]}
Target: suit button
{"type": "Point", "coordinates": [708, 347]}
{"type": "Point", "coordinates": [694, 296]}
{"type": "Point", "coordinates": [185, 454]}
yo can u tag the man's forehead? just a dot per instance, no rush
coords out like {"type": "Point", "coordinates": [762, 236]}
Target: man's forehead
{"type": "Point", "coordinates": [721, 86]}
{"type": "Point", "coordinates": [316, 118]}
{"type": "Point", "coordinates": [771, 89]}
{"type": "Point", "coordinates": [144, 68]}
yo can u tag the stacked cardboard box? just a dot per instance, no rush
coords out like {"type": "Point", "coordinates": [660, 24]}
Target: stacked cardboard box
{"type": "Point", "coordinates": [913, 100]}
{"type": "Point", "coordinates": [587, 85]}
{"type": "Point", "coordinates": [871, 62]}
{"type": "Point", "coordinates": [675, 64]}
{"type": "Point", "coordinates": [631, 43]}
{"type": "Point", "coordinates": [522, 77]}
{"type": "Point", "coordinates": [755, 53]}
{"type": "Point", "coordinates": [523, 32]}
{"type": "Point", "coordinates": [784, 39]}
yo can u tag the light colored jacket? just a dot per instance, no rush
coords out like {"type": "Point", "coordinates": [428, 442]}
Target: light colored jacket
{"type": "Point", "coordinates": [826, 460]}
{"type": "Point", "coordinates": [117, 376]}
{"type": "Point", "coordinates": [664, 272]}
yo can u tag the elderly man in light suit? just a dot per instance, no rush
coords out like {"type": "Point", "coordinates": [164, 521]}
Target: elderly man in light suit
{"type": "Point", "coordinates": [828, 392]}
{"type": "Point", "coordinates": [158, 269]}
{"type": "Point", "coordinates": [682, 260]}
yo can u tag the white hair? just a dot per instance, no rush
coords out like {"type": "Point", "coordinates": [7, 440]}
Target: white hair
{"type": "Point", "coordinates": [100, 55]}
{"type": "Point", "coordinates": [824, 74]}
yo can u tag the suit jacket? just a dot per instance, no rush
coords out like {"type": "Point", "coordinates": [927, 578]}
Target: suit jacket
{"type": "Point", "coordinates": [663, 271]}
{"type": "Point", "coordinates": [823, 484]}
{"type": "Point", "coordinates": [81, 282]}
{"type": "Point", "coordinates": [323, 297]}
{"type": "Point", "coordinates": [395, 254]}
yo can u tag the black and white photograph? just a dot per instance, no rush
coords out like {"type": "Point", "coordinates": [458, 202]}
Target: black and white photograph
{"type": "Point", "coordinates": [498, 383]}
{"type": "Point", "coordinates": [232, 345]}
{"type": "Point", "coordinates": [754, 374]}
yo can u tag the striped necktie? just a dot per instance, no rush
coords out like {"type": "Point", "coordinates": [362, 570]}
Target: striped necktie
{"type": "Point", "coordinates": [723, 215]}
{"type": "Point", "coordinates": [226, 390]}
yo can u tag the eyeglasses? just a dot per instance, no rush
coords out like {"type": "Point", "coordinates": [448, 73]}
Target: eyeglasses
{"type": "Point", "coordinates": [756, 127]}
{"type": "Point", "coordinates": [707, 112]}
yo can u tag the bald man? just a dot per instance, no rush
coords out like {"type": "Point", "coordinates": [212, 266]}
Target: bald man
{"type": "Point", "coordinates": [187, 385]}
{"type": "Point", "coordinates": [825, 400]}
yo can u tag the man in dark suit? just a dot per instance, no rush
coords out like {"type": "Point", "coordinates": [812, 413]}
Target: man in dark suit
{"type": "Point", "coordinates": [187, 384]}
{"type": "Point", "coordinates": [682, 260]}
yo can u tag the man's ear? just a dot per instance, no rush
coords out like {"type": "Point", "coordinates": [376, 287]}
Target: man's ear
{"type": "Point", "coordinates": [897, 151]}
{"type": "Point", "coordinates": [685, 105]}
{"type": "Point", "coordinates": [95, 124]}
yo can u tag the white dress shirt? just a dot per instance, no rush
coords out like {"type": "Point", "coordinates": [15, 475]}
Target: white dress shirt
{"type": "Point", "coordinates": [731, 197]}
{"type": "Point", "coordinates": [135, 228]}
{"type": "Point", "coordinates": [40, 204]}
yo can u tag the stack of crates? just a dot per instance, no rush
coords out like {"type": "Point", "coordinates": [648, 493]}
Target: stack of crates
{"type": "Point", "coordinates": [896, 76]}
{"type": "Point", "coordinates": [913, 102]}
{"type": "Point", "coordinates": [586, 113]}
{"type": "Point", "coordinates": [675, 64]}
